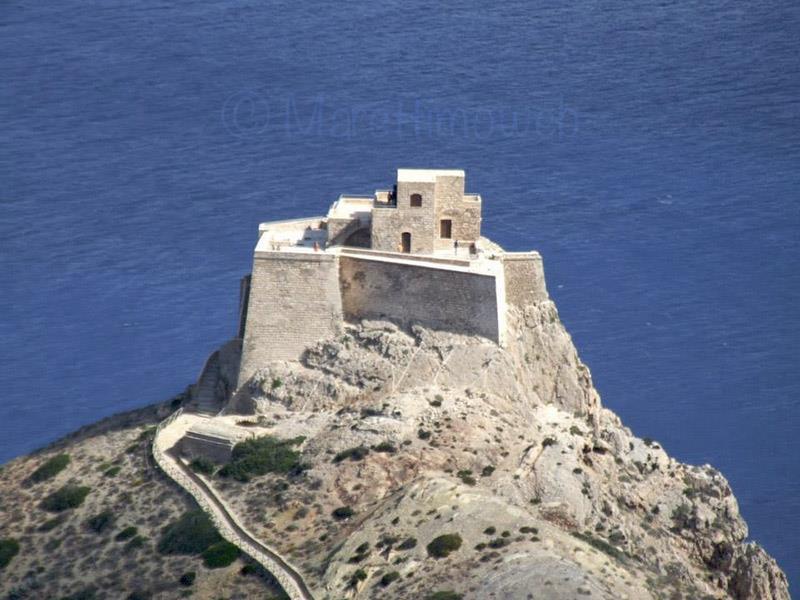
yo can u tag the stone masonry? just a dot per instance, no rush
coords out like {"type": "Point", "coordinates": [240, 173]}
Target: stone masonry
{"type": "Point", "coordinates": [410, 255]}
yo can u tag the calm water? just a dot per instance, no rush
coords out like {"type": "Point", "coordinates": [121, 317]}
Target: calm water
{"type": "Point", "coordinates": [652, 154]}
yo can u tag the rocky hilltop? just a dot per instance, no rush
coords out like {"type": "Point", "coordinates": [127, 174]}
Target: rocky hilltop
{"type": "Point", "coordinates": [507, 451]}
{"type": "Point", "coordinates": [429, 465]}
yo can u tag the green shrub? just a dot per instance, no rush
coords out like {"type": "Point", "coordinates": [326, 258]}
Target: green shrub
{"type": "Point", "coordinates": [466, 476]}
{"type": "Point", "coordinates": [135, 542]}
{"type": "Point", "coordinates": [575, 430]}
{"type": "Point", "coordinates": [101, 521]}
{"type": "Point", "coordinates": [354, 454]}
{"type": "Point", "coordinates": [444, 595]}
{"type": "Point", "coordinates": [490, 530]}
{"type": "Point", "coordinates": [50, 468]}
{"type": "Point", "coordinates": [113, 471]}
{"type": "Point", "coordinates": [386, 447]}
{"type": "Point", "coordinates": [526, 529]}
{"type": "Point", "coordinates": [443, 545]}
{"type": "Point", "coordinates": [192, 533]}
{"type": "Point", "coordinates": [203, 465]}
{"type": "Point", "coordinates": [9, 547]}
{"type": "Point", "coordinates": [548, 441]}
{"type": "Point", "coordinates": [500, 542]}
{"type": "Point", "coordinates": [684, 517]}
{"type": "Point", "coordinates": [248, 569]}
{"type": "Point", "coordinates": [126, 533]}
{"type": "Point", "coordinates": [601, 545]}
{"type": "Point", "coordinates": [220, 554]}
{"type": "Point", "coordinates": [69, 496]}
{"type": "Point", "coordinates": [276, 383]}
{"type": "Point", "coordinates": [423, 435]}
{"type": "Point", "coordinates": [407, 544]}
{"type": "Point", "coordinates": [51, 524]}
{"type": "Point", "coordinates": [187, 578]}
{"type": "Point", "coordinates": [389, 577]}
{"type": "Point", "coordinates": [487, 471]}
{"type": "Point", "coordinates": [342, 513]}
{"type": "Point", "coordinates": [362, 548]}
{"type": "Point", "coordinates": [359, 575]}
{"type": "Point", "coordinates": [262, 455]}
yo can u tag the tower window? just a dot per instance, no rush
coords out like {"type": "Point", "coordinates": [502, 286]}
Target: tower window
{"type": "Point", "coordinates": [446, 229]}
{"type": "Point", "coordinates": [416, 200]}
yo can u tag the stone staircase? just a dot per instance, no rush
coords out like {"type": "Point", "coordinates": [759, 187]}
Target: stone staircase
{"type": "Point", "coordinates": [208, 394]}
{"type": "Point", "coordinates": [168, 434]}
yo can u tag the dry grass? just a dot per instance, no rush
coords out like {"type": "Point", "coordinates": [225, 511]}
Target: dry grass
{"type": "Point", "coordinates": [72, 554]}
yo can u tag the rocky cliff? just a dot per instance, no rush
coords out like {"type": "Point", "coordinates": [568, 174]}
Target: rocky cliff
{"type": "Point", "coordinates": [422, 434]}
{"type": "Point", "coordinates": [434, 466]}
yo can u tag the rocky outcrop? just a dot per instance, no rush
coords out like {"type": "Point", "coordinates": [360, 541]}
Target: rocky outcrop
{"type": "Point", "coordinates": [507, 446]}
{"type": "Point", "coordinates": [409, 437]}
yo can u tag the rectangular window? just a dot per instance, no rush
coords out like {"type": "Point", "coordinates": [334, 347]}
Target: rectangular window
{"type": "Point", "coordinates": [446, 229]}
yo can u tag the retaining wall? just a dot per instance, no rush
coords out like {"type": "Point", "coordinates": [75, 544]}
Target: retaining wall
{"type": "Point", "coordinates": [225, 522]}
{"type": "Point", "coordinates": [524, 278]}
{"type": "Point", "coordinates": [294, 301]}
{"type": "Point", "coordinates": [438, 298]}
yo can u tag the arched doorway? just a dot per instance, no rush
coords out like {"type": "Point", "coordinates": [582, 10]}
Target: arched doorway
{"type": "Point", "coordinates": [405, 242]}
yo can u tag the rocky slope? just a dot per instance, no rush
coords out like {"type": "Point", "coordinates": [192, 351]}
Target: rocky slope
{"type": "Point", "coordinates": [415, 435]}
{"type": "Point", "coordinates": [436, 466]}
{"type": "Point", "coordinates": [72, 554]}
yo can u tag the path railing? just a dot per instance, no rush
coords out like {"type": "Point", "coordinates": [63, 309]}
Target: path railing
{"type": "Point", "coordinates": [225, 521]}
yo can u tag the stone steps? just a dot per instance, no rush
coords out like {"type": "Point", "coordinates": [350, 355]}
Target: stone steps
{"type": "Point", "coordinates": [205, 395]}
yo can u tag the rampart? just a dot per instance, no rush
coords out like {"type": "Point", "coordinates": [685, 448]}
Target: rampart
{"type": "Point", "coordinates": [298, 297]}
{"type": "Point", "coordinates": [524, 278]}
{"type": "Point", "coordinates": [294, 301]}
{"type": "Point", "coordinates": [412, 255]}
{"type": "Point", "coordinates": [435, 296]}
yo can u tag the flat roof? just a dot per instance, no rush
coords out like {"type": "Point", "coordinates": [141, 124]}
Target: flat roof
{"type": "Point", "coordinates": [427, 175]}
{"type": "Point", "coordinates": [348, 206]}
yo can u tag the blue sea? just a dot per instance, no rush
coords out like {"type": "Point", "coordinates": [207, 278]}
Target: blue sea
{"type": "Point", "coordinates": [650, 151]}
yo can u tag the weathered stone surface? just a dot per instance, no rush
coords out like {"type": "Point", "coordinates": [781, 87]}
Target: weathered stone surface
{"type": "Point", "coordinates": [481, 437]}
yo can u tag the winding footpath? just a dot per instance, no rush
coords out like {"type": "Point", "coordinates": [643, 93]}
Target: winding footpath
{"type": "Point", "coordinates": [168, 433]}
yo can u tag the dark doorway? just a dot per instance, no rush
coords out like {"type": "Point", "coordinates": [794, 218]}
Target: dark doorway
{"type": "Point", "coordinates": [416, 200]}
{"type": "Point", "coordinates": [446, 229]}
{"type": "Point", "coordinates": [405, 242]}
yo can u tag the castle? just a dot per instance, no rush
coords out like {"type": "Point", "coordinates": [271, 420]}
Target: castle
{"type": "Point", "coordinates": [410, 255]}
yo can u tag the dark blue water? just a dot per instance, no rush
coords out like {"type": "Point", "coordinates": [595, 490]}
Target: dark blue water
{"type": "Point", "coordinates": [651, 153]}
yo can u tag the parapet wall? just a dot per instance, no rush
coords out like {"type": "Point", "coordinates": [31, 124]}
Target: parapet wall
{"type": "Point", "coordinates": [440, 298]}
{"type": "Point", "coordinates": [524, 278]}
{"type": "Point", "coordinates": [298, 298]}
{"type": "Point", "coordinates": [294, 301]}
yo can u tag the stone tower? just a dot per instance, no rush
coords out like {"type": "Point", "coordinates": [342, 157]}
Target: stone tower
{"type": "Point", "coordinates": [428, 212]}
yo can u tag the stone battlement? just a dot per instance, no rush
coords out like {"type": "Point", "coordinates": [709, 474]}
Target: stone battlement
{"type": "Point", "coordinates": [412, 255]}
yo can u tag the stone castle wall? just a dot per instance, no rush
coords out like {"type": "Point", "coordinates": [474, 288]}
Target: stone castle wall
{"type": "Point", "coordinates": [294, 301]}
{"type": "Point", "coordinates": [524, 278]}
{"type": "Point", "coordinates": [439, 298]}
{"type": "Point", "coordinates": [297, 299]}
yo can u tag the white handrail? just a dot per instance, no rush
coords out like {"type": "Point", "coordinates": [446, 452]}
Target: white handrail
{"type": "Point", "coordinates": [226, 522]}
